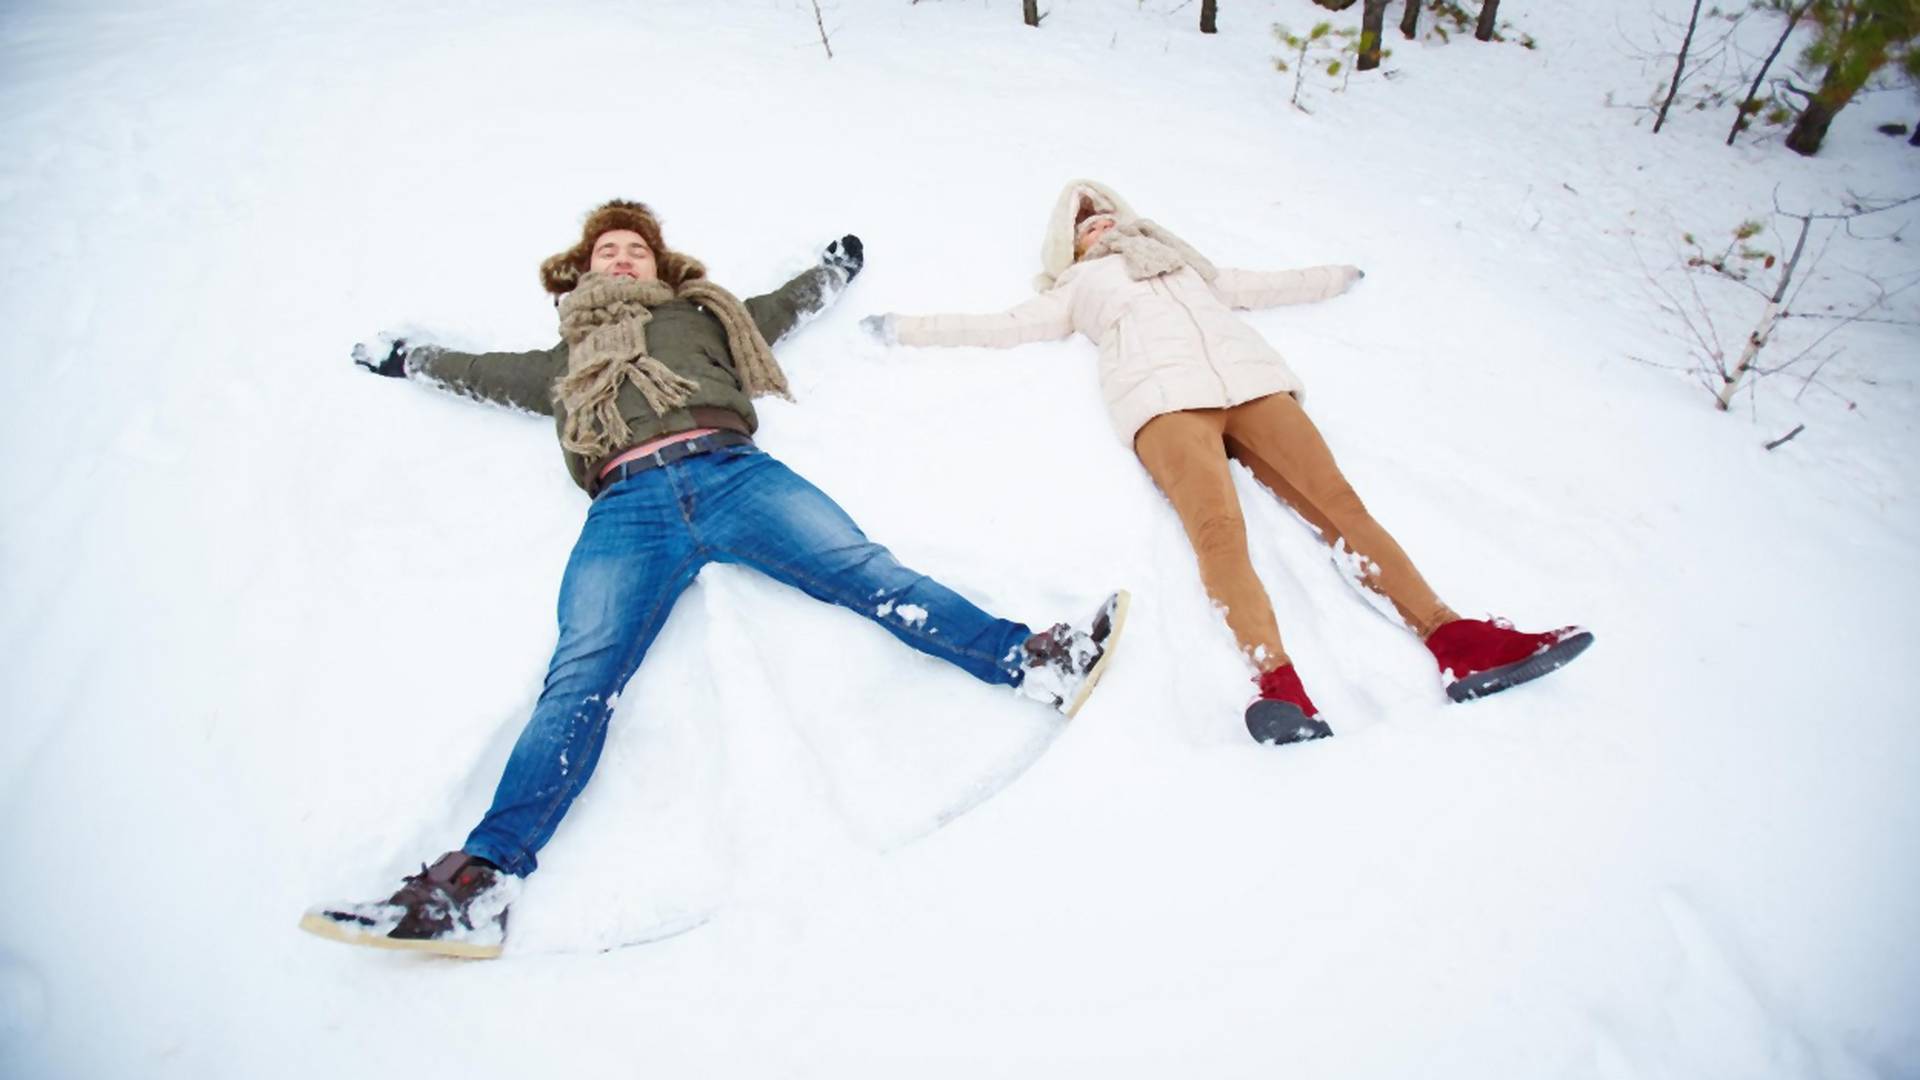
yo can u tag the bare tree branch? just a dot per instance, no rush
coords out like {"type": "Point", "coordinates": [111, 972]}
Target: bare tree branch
{"type": "Point", "coordinates": [1750, 104]}
{"type": "Point", "coordinates": [1788, 437]}
{"type": "Point", "coordinates": [822, 24]}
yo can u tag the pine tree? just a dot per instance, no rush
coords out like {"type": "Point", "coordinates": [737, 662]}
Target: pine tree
{"type": "Point", "coordinates": [1856, 39]}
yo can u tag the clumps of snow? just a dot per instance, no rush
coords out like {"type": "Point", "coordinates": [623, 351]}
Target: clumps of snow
{"type": "Point", "coordinates": [831, 282]}
{"type": "Point", "coordinates": [911, 614]}
{"type": "Point", "coordinates": [488, 912]}
{"type": "Point", "coordinates": [1055, 685]}
{"type": "Point", "coordinates": [1358, 571]}
{"type": "Point", "coordinates": [379, 918]}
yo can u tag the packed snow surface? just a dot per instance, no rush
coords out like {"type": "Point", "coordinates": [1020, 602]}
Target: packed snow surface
{"type": "Point", "coordinates": [271, 623]}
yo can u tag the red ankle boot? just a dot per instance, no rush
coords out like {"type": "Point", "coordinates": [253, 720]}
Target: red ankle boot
{"type": "Point", "coordinates": [1284, 713]}
{"type": "Point", "coordinates": [1478, 657]}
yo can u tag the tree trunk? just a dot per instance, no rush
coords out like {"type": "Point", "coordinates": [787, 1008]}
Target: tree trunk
{"type": "Point", "coordinates": [1751, 104]}
{"type": "Point", "coordinates": [1032, 12]}
{"type": "Point", "coordinates": [1489, 11]}
{"type": "Point", "coordinates": [1811, 129]}
{"type": "Point", "coordinates": [1209, 11]}
{"type": "Point", "coordinates": [1860, 51]}
{"type": "Point", "coordinates": [1372, 18]}
{"type": "Point", "coordinates": [1769, 318]}
{"type": "Point", "coordinates": [1679, 68]}
{"type": "Point", "coordinates": [1914, 139]}
{"type": "Point", "coordinates": [1410, 21]}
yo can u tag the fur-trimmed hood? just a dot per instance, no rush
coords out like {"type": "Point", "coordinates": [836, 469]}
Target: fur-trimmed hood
{"type": "Point", "coordinates": [1079, 199]}
{"type": "Point", "coordinates": [560, 273]}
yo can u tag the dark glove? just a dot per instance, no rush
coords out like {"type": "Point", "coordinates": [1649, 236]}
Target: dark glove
{"type": "Point", "coordinates": [394, 366]}
{"type": "Point", "coordinates": [846, 255]}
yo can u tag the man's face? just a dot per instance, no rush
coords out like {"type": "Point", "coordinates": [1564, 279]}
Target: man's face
{"type": "Point", "coordinates": [624, 253]}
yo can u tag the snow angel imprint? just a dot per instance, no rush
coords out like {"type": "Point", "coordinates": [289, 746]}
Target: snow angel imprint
{"type": "Point", "coordinates": [651, 389]}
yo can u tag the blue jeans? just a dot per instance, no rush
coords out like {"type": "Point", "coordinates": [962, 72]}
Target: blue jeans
{"type": "Point", "coordinates": [644, 540]}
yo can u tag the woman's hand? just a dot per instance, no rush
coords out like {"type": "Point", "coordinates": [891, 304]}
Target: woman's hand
{"type": "Point", "coordinates": [846, 255]}
{"type": "Point", "coordinates": [880, 328]}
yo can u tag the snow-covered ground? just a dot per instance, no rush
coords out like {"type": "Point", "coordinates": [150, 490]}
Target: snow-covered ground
{"type": "Point", "coordinates": [270, 624]}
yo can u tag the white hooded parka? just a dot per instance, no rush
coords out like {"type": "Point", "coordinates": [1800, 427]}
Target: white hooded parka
{"type": "Point", "coordinates": [1167, 343]}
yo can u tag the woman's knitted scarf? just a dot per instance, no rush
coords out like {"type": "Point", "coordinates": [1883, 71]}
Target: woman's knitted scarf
{"type": "Point", "coordinates": [1150, 250]}
{"type": "Point", "coordinates": [604, 323]}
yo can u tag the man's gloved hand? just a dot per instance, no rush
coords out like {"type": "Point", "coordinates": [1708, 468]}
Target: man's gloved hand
{"type": "Point", "coordinates": [880, 328]}
{"type": "Point", "coordinates": [846, 255]}
{"type": "Point", "coordinates": [394, 366]}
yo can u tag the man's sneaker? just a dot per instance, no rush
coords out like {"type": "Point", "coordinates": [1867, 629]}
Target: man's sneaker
{"type": "Point", "coordinates": [1283, 713]}
{"type": "Point", "coordinates": [1478, 657]}
{"type": "Point", "coordinates": [1063, 662]}
{"type": "Point", "coordinates": [456, 907]}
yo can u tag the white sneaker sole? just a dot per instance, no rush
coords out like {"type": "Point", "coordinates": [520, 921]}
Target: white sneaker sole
{"type": "Point", "coordinates": [314, 922]}
{"type": "Point", "coordinates": [1106, 654]}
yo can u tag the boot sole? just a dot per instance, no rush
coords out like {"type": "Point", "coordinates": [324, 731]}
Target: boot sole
{"type": "Point", "coordinates": [313, 922]}
{"type": "Point", "coordinates": [1119, 623]}
{"type": "Point", "coordinates": [1277, 723]}
{"type": "Point", "coordinates": [1507, 676]}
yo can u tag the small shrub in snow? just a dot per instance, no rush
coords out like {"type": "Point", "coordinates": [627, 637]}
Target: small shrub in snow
{"type": "Point", "coordinates": [1724, 367]}
{"type": "Point", "coordinates": [1324, 50]}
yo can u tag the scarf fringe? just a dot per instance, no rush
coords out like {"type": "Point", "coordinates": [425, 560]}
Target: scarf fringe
{"type": "Point", "coordinates": [604, 321]}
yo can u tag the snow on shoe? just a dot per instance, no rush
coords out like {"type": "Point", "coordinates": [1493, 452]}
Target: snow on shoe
{"type": "Point", "coordinates": [1063, 662]}
{"type": "Point", "coordinates": [456, 907]}
{"type": "Point", "coordinates": [1478, 657]}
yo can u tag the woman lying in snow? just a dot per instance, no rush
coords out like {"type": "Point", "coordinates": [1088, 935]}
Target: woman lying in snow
{"type": "Point", "coordinates": [650, 388]}
{"type": "Point", "coordinates": [1188, 386]}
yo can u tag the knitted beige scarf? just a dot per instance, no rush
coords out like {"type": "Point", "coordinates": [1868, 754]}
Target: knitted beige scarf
{"type": "Point", "coordinates": [604, 323]}
{"type": "Point", "coordinates": [1150, 251]}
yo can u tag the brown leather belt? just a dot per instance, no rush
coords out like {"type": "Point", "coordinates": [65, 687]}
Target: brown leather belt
{"type": "Point", "coordinates": [669, 454]}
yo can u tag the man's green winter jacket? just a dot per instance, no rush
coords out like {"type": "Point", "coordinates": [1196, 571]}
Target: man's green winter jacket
{"type": "Point", "coordinates": [683, 336]}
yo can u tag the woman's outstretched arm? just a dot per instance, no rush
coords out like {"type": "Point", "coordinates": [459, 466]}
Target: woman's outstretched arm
{"type": "Point", "coordinates": [1047, 317]}
{"type": "Point", "coordinates": [1272, 288]}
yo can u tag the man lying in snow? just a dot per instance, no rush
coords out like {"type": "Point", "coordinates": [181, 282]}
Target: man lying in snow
{"type": "Point", "coordinates": [650, 388]}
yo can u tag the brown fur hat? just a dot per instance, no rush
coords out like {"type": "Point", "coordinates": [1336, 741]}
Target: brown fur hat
{"type": "Point", "coordinates": [560, 273]}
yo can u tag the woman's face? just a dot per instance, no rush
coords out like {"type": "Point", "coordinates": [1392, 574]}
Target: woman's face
{"type": "Point", "coordinates": [1092, 234]}
{"type": "Point", "coordinates": [624, 253]}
